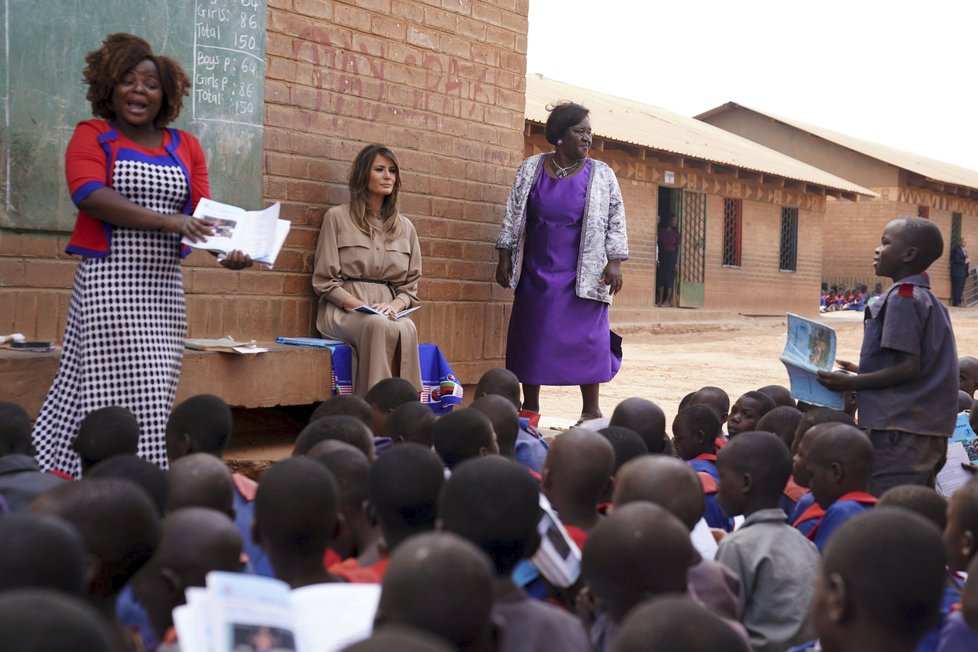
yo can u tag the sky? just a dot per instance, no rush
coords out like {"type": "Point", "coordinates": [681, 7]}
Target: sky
{"type": "Point", "coordinates": [898, 73]}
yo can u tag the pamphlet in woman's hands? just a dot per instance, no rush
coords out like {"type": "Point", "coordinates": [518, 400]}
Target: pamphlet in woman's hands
{"type": "Point", "coordinates": [370, 311]}
{"type": "Point", "coordinates": [259, 234]}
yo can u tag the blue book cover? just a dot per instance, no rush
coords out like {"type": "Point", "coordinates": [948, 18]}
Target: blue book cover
{"type": "Point", "coordinates": [810, 348]}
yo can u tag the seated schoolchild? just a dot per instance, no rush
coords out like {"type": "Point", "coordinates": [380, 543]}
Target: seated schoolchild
{"type": "Point", "coordinates": [21, 479]}
{"type": "Point", "coordinates": [961, 542]}
{"type": "Point", "coordinates": [505, 421]}
{"type": "Point", "coordinates": [147, 476]}
{"type": "Point", "coordinates": [32, 620]}
{"type": "Point", "coordinates": [627, 444]}
{"type": "Point", "coordinates": [358, 532]}
{"type": "Point", "coordinates": [346, 405]}
{"type": "Point", "coordinates": [441, 584]}
{"type": "Point", "coordinates": [694, 441]}
{"type": "Point", "coordinates": [968, 374]}
{"type": "Point", "coordinates": [576, 477]}
{"type": "Point", "coordinates": [531, 449]}
{"type": "Point", "coordinates": [403, 489]}
{"type": "Point", "coordinates": [493, 503]}
{"type": "Point", "coordinates": [780, 394]}
{"type": "Point", "coordinates": [676, 623]}
{"type": "Point", "coordinates": [401, 639]}
{"type": "Point", "coordinates": [638, 552]}
{"type": "Point", "coordinates": [296, 510]}
{"type": "Point", "coordinates": [959, 632]}
{"type": "Point", "coordinates": [195, 541]}
{"type": "Point", "coordinates": [926, 502]}
{"type": "Point", "coordinates": [347, 429]}
{"type": "Point", "coordinates": [746, 411]}
{"type": "Point", "coordinates": [674, 486]}
{"type": "Point", "coordinates": [879, 588]}
{"type": "Point", "coordinates": [647, 419]}
{"type": "Point", "coordinates": [807, 513]}
{"type": "Point", "coordinates": [839, 465]}
{"type": "Point", "coordinates": [104, 433]}
{"type": "Point", "coordinates": [463, 434]}
{"type": "Point", "coordinates": [965, 401]}
{"type": "Point", "coordinates": [41, 552]}
{"type": "Point", "coordinates": [200, 480]}
{"type": "Point", "coordinates": [783, 421]}
{"type": "Point", "coordinates": [717, 399]}
{"type": "Point", "coordinates": [384, 397]}
{"type": "Point", "coordinates": [120, 528]}
{"type": "Point", "coordinates": [776, 564]}
{"type": "Point", "coordinates": [203, 424]}
{"type": "Point", "coordinates": [410, 423]}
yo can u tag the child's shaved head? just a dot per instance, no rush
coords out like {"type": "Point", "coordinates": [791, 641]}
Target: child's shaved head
{"type": "Point", "coordinates": [763, 458]}
{"type": "Point", "coordinates": [200, 480]}
{"type": "Point", "coordinates": [200, 424]}
{"type": "Point", "coordinates": [644, 417]}
{"type": "Point", "coordinates": [344, 405]}
{"type": "Point", "coordinates": [922, 234]}
{"type": "Point", "coordinates": [816, 416]}
{"type": "Point", "coordinates": [147, 476]}
{"type": "Point", "coordinates": [494, 503]}
{"type": "Point", "coordinates": [43, 552]}
{"type": "Point", "coordinates": [694, 431]}
{"type": "Point", "coordinates": [104, 433]}
{"type": "Point", "coordinates": [42, 620]}
{"type": "Point", "coordinates": [840, 460]}
{"type": "Point", "coordinates": [676, 623]}
{"type": "Point", "coordinates": [715, 397]}
{"type": "Point", "coordinates": [411, 423]}
{"type": "Point", "coordinates": [505, 421]}
{"type": "Point", "coordinates": [342, 428]}
{"type": "Point", "coordinates": [882, 572]}
{"type": "Point", "coordinates": [442, 584]}
{"type": "Point", "coordinates": [502, 382]}
{"type": "Point", "coordinates": [578, 472]}
{"type": "Point", "coordinates": [782, 421]}
{"type": "Point", "coordinates": [637, 552]}
{"type": "Point", "coordinates": [463, 434]}
{"type": "Point", "coordinates": [665, 481]}
{"type": "Point", "coordinates": [961, 532]}
{"type": "Point", "coordinates": [404, 486]}
{"type": "Point", "coordinates": [918, 499]}
{"type": "Point", "coordinates": [779, 394]}
{"type": "Point", "coordinates": [626, 442]}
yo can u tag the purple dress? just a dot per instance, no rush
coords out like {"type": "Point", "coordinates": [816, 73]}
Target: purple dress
{"type": "Point", "coordinates": [556, 337]}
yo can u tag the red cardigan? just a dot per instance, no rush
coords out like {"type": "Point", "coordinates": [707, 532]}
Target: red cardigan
{"type": "Point", "coordinates": [90, 159]}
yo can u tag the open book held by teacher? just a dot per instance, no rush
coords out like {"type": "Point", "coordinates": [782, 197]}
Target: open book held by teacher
{"type": "Point", "coordinates": [367, 310]}
{"type": "Point", "coordinates": [810, 348]}
{"type": "Point", "coordinates": [260, 234]}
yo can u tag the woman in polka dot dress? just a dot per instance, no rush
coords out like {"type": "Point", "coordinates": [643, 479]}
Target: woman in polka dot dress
{"type": "Point", "coordinates": [135, 183]}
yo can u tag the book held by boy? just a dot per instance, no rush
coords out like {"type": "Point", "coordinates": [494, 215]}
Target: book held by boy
{"type": "Point", "coordinates": [810, 348]}
{"type": "Point", "coordinates": [259, 234]}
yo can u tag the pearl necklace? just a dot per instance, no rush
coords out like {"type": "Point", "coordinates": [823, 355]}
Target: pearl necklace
{"type": "Point", "coordinates": [564, 172]}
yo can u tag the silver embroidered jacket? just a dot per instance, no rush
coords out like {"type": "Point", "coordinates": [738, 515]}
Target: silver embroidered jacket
{"type": "Point", "coordinates": [603, 235]}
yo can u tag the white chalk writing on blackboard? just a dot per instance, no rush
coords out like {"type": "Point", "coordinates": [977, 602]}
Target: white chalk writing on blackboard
{"type": "Point", "coordinates": [228, 69]}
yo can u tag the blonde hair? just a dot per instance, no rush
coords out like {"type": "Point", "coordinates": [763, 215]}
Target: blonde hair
{"type": "Point", "coordinates": [359, 193]}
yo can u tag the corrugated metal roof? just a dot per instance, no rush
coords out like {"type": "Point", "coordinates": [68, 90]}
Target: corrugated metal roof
{"type": "Point", "coordinates": [925, 167]}
{"type": "Point", "coordinates": [639, 124]}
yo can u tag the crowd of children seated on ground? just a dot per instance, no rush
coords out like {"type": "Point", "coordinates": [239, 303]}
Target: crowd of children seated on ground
{"type": "Point", "coordinates": [836, 297]}
{"type": "Point", "coordinates": [750, 528]}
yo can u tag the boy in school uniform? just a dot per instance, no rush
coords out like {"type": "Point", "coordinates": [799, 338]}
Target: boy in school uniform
{"type": "Point", "coordinates": [104, 433]}
{"type": "Point", "coordinates": [960, 540]}
{"type": "Point", "coordinates": [839, 465]}
{"type": "Point", "coordinates": [693, 438]}
{"type": "Point", "coordinates": [879, 587]}
{"type": "Point", "coordinates": [783, 421]}
{"type": "Point", "coordinates": [203, 424]}
{"type": "Point", "coordinates": [747, 411]}
{"type": "Point", "coordinates": [531, 449]}
{"type": "Point", "coordinates": [647, 419]}
{"type": "Point", "coordinates": [959, 632]}
{"type": "Point", "coordinates": [494, 503]}
{"type": "Point", "coordinates": [358, 532]}
{"type": "Point", "coordinates": [776, 564]}
{"type": "Point", "coordinates": [807, 513]}
{"type": "Point", "coordinates": [21, 479]}
{"type": "Point", "coordinates": [717, 399]}
{"type": "Point", "coordinates": [908, 359]}
{"type": "Point", "coordinates": [410, 423]}
{"type": "Point", "coordinates": [463, 434]}
{"type": "Point", "coordinates": [674, 623]}
{"type": "Point", "coordinates": [576, 477]}
{"type": "Point", "coordinates": [383, 398]}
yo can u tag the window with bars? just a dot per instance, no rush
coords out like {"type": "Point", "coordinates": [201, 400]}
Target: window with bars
{"type": "Point", "coordinates": [789, 239]}
{"type": "Point", "coordinates": [731, 232]}
{"type": "Point", "coordinates": [924, 212]}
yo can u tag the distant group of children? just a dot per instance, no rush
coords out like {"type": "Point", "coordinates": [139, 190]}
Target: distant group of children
{"type": "Point", "coordinates": [765, 525]}
{"type": "Point", "coordinates": [836, 297]}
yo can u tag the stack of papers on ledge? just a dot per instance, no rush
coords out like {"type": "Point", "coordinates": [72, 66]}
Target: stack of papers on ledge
{"type": "Point", "coordinates": [225, 345]}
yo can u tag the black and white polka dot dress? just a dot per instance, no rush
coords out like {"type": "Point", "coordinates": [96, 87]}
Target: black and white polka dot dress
{"type": "Point", "coordinates": [127, 322]}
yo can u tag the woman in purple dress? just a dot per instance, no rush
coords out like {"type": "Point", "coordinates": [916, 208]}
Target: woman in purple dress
{"type": "Point", "coordinates": [560, 248]}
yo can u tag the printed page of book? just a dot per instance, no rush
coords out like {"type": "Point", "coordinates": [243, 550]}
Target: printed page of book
{"type": "Point", "coordinates": [250, 612]}
{"type": "Point", "coordinates": [952, 475]}
{"type": "Point", "coordinates": [255, 233]}
{"type": "Point", "coordinates": [808, 349]}
{"type": "Point", "coordinates": [328, 617]}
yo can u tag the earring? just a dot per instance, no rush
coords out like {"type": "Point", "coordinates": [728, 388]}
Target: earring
{"type": "Point", "coordinates": [560, 141]}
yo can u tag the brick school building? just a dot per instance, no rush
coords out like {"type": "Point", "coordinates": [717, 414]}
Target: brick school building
{"type": "Point", "coordinates": [751, 218]}
{"type": "Point", "coordinates": [904, 183]}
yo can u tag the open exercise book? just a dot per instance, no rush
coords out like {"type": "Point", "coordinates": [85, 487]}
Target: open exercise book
{"type": "Point", "coordinates": [245, 613]}
{"type": "Point", "coordinates": [810, 348]}
{"type": "Point", "coordinates": [370, 311]}
{"type": "Point", "coordinates": [260, 234]}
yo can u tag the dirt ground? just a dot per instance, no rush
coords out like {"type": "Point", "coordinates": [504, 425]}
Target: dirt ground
{"type": "Point", "coordinates": [738, 355]}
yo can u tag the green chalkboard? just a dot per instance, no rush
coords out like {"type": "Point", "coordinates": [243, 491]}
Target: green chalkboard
{"type": "Point", "coordinates": [221, 45]}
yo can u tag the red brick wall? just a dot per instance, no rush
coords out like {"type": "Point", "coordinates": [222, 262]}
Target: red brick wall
{"type": "Point", "coordinates": [853, 232]}
{"type": "Point", "coordinates": [757, 286]}
{"type": "Point", "coordinates": [440, 82]}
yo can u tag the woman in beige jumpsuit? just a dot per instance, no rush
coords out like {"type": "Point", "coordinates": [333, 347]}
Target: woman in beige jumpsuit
{"type": "Point", "coordinates": [368, 254]}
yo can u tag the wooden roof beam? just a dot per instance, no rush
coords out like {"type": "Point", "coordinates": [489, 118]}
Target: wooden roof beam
{"type": "Point", "coordinates": [793, 184]}
{"type": "Point", "coordinates": [698, 164]}
{"type": "Point", "coordinates": [934, 185]}
{"type": "Point", "coordinates": [832, 192]}
{"type": "Point", "coordinates": [748, 175]}
{"type": "Point", "coordinates": [724, 170]}
{"type": "Point", "coordinates": [851, 196]}
{"type": "Point", "coordinates": [815, 190]}
{"type": "Point", "coordinates": [772, 180]}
